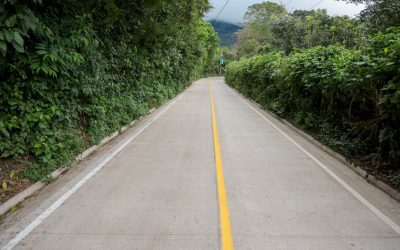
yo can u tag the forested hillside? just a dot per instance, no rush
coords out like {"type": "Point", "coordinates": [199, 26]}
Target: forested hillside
{"type": "Point", "coordinates": [226, 32]}
{"type": "Point", "coordinates": [74, 71]}
{"type": "Point", "coordinates": [336, 77]}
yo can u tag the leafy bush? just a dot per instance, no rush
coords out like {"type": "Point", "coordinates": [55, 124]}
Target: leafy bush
{"type": "Point", "coordinates": [74, 71]}
{"type": "Point", "coordinates": [349, 98]}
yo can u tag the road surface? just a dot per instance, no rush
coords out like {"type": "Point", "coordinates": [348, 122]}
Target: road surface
{"type": "Point", "coordinates": [160, 185]}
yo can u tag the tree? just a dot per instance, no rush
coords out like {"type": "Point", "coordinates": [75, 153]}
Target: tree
{"type": "Point", "coordinates": [269, 27]}
{"type": "Point", "coordinates": [256, 33]}
{"type": "Point", "coordinates": [262, 12]}
{"type": "Point", "coordinates": [380, 14]}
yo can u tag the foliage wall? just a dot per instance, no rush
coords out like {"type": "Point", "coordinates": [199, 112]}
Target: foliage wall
{"type": "Point", "coordinates": [350, 99]}
{"type": "Point", "coordinates": [334, 76]}
{"type": "Point", "coordinates": [74, 71]}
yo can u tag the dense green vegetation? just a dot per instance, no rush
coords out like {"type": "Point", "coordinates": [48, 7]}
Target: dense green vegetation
{"type": "Point", "coordinates": [339, 79]}
{"type": "Point", "coordinates": [379, 14]}
{"type": "Point", "coordinates": [270, 27]}
{"type": "Point", "coordinates": [74, 71]}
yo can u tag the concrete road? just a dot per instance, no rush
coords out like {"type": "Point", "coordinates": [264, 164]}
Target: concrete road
{"type": "Point", "coordinates": [160, 191]}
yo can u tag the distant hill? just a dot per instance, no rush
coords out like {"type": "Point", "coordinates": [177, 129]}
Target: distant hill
{"type": "Point", "coordinates": [225, 31]}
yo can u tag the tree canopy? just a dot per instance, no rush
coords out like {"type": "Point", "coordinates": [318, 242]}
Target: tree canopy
{"type": "Point", "coordinates": [380, 14]}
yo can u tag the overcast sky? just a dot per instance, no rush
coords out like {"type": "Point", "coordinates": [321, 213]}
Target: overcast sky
{"type": "Point", "coordinates": [235, 9]}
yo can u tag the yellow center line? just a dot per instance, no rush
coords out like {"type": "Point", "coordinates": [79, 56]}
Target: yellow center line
{"type": "Point", "coordinates": [226, 234]}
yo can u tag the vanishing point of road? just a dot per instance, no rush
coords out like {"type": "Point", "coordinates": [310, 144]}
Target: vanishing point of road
{"type": "Point", "coordinates": [207, 170]}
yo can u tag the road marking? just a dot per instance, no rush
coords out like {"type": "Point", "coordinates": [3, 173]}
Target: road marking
{"type": "Point", "coordinates": [226, 233]}
{"type": "Point", "coordinates": [28, 229]}
{"type": "Point", "coordinates": [366, 203]}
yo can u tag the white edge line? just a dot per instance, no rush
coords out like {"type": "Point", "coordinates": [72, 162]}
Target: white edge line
{"type": "Point", "coordinates": [366, 203]}
{"type": "Point", "coordinates": [28, 229]}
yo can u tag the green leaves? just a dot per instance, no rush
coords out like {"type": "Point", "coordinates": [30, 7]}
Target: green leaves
{"type": "Point", "coordinates": [8, 35]}
{"type": "Point", "coordinates": [30, 22]}
{"type": "Point", "coordinates": [18, 39]}
{"type": "Point", "coordinates": [4, 132]}
{"type": "Point", "coordinates": [18, 21]}
{"type": "Point", "coordinates": [4, 185]}
{"type": "Point", "coordinates": [18, 42]}
{"type": "Point", "coordinates": [356, 94]}
{"type": "Point", "coordinates": [13, 37]}
{"type": "Point", "coordinates": [73, 81]}
{"type": "Point", "coordinates": [3, 47]}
